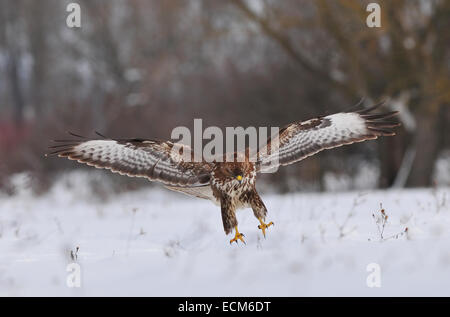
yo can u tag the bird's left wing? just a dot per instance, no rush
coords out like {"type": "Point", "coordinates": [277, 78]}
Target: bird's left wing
{"type": "Point", "coordinates": [300, 139]}
{"type": "Point", "coordinates": [161, 161]}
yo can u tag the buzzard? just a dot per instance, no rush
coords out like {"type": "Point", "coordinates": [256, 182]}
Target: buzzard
{"type": "Point", "coordinates": [230, 184]}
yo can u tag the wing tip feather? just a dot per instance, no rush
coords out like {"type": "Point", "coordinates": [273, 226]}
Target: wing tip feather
{"type": "Point", "coordinates": [376, 122]}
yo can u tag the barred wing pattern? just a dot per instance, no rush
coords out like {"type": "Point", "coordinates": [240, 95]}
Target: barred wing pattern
{"type": "Point", "coordinates": [299, 140]}
{"type": "Point", "coordinates": [156, 160]}
{"type": "Point", "coordinates": [204, 192]}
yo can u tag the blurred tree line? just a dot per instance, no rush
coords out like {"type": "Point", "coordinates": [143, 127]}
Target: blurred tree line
{"type": "Point", "coordinates": [139, 68]}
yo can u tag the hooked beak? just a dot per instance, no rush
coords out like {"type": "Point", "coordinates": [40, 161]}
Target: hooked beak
{"type": "Point", "coordinates": [239, 178]}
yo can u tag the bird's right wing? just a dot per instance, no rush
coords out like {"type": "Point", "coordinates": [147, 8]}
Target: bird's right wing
{"type": "Point", "coordinates": [204, 191]}
{"type": "Point", "coordinates": [156, 160]}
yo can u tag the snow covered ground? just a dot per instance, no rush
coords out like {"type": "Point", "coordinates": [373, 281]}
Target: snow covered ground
{"type": "Point", "coordinates": [154, 242]}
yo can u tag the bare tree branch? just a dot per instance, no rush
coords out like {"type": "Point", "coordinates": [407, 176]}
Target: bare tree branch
{"type": "Point", "coordinates": [286, 45]}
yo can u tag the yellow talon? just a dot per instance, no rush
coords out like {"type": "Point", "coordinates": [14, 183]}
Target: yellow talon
{"type": "Point", "coordinates": [264, 226]}
{"type": "Point", "coordinates": [237, 236]}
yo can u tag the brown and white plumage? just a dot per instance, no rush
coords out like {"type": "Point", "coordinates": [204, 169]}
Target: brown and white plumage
{"type": "Point", "coordinates": [229, 184]}
{"type": "Point", "coordinates": [301, 139]}
{"type": "Point", "coordinates": [155, 160]}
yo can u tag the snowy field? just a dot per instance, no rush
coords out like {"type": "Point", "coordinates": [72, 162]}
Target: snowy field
{"type": "Point", "coordinates": [157, 243]}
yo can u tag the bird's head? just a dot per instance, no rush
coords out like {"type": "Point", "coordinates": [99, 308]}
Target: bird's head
{"type": "Point", "coordinates": [232, 171]}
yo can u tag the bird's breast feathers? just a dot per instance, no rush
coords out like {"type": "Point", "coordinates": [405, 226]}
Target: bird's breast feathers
{"type": "Point", "coordinates": [234, 189]}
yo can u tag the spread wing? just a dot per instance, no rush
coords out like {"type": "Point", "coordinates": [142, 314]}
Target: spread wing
{"type": "Point", "coordinates": [204, 191]}
{"type": "Point", "coordinates": [299, 140]}
{"type": "Point", "coordinates": [156, 160]}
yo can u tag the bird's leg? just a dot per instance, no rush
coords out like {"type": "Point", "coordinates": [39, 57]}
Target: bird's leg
{"type": "Point", "coordinates": [263, 226]}
{"type": "Point", "coordinates": [260, 211]}
{"type": "Point", "coordinates": [229, 219]}
{"type": "Point", "coordinates": [237, 236]}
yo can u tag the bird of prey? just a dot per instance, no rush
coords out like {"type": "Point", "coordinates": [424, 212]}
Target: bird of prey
{"type": "Point", "coordinates": [230, 184]}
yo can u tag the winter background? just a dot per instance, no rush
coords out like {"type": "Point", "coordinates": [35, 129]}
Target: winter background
{"type": "Point", "coordinates": [141, 68]}
{"type": "Point", "coordinates": [153, 242]}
